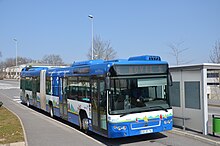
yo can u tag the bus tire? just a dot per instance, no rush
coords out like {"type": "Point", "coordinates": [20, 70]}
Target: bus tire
{"type": "Point", "coordinates": [51, 111]}
{"type": "Point", "coordinates": [85, 124]}
{"type": "Point", "coordinates": [80, 122]}
{"type": "Point", "coordinates": [83, 121]}
{"type": "Point", "coordinates": [27, 102]}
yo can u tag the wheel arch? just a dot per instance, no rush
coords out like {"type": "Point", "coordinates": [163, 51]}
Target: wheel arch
{"type": "Point", "coordinates": [83, 114]}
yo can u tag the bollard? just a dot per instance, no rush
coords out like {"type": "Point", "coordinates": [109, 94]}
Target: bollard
{"type": "Point", "coordinates": [216, 124]}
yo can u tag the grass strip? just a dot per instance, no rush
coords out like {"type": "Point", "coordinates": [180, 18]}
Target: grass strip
{"type": "Point", "coordinates": [10, 127]}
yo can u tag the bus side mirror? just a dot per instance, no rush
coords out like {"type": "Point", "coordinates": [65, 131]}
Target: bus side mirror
{"type": "Point", "coordinates": [107, 83]}
{"type": "Point", "coordinates": [170, 80]}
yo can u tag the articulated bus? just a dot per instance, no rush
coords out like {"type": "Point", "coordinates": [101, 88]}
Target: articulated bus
{"type": "Point", "coordinates": [116, 98]}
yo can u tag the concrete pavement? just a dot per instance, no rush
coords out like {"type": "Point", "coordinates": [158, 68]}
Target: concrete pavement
{"type": "Point", "coordinates": [42, 130]}
{"type": "Point", "coordinates": [214, 140]}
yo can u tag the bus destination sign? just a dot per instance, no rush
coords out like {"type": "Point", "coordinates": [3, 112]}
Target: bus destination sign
{"type": "Point", "coordinates": [140, 69]}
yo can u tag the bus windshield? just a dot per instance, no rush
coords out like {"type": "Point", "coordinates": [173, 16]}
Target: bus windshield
{"type": "Point", "coordinates": [139, 94]}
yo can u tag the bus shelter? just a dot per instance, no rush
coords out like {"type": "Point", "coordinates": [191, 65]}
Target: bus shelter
{"type": "Point", "coordinates": [192, 85]}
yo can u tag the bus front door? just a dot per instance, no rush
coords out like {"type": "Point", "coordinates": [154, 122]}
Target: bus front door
{"type": "Point", "coordinates": [99, 102]}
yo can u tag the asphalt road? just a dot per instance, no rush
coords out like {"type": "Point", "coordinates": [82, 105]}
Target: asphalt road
{"type": "Point", "coordinates": [42, 130]}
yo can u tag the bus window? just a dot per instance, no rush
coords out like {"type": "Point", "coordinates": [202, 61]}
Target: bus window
{"type": "Point", "coordinates": [38, 84]}
{"type": "Point", "coordinates": [84, 89]}
{"type": "Point", "coordinates": [72, 86]}
{"type": "Point", "coordinates": [73, 92]}
{"type": "Point", "coordinates": [48, 85]}
{"type": "Point", "coordinates": [28, 84]}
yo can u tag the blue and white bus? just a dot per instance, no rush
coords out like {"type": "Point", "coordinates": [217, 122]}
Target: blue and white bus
{"type": "Point", "coordinates": [116, 98]}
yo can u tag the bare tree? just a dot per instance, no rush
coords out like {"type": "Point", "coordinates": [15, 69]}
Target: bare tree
{"type": "Point", "coordinates": [102, 50]}
{"type": "Point", "coordinates": [215, 53]}
{"type": "Point", "coordinates": [1, 63]}
{"type": "Point", "coordinates": [24, 60]}
{"type": "Point", "coordinates": [9, 62]}
{"type": "Point", "coordinates": [1, 67]}
{"type": "Point", "coordinates": [52, 59]}
{"type": "Point", "coordinates": [215, 58]}
{"type": "Point", "coordinates": [177, 52]}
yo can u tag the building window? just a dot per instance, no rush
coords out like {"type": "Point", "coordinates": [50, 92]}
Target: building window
{"type": "Point", "coordinates": [212, 75]}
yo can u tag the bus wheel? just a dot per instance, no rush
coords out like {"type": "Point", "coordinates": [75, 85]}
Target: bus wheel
{"type": "Point", "coordinates": [28, 102]}
{"type": "Point", "coordinates": [80, 122]}
{"type": "Point", "coordinates": [85, 124]}
{"type": "Point", "coordinates": [51, 111]}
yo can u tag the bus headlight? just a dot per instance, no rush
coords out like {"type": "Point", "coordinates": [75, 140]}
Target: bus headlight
{"type": "Point", "coordinates": [167, 121]}
{"type": "Point", "coordinates": [119, 128]}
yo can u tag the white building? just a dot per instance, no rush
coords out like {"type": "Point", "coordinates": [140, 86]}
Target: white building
{"type": "Point", "coordinates": [14, 71]}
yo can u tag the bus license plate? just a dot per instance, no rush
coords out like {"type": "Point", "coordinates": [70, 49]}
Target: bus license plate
{"type": "Point", "coordinates": [146, 131]}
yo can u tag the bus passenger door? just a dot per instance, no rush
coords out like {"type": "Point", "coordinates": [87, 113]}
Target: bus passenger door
{"type": "Point", "coordinates": [34, 91]}
{"type": "Point", "coordinates": [99, 102]}
{"type": "Point", "coordinates": [22, 84]}
{"type": "Point", "coordinates": [63, 98]}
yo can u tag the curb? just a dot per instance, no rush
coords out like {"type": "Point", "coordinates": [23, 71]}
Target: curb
{"type": "Point", "coordinates": [25, 136]}
{"type": "Point", "coordinates": [197, 137]}
{"type": "Point", "coordinates": [14, 144]}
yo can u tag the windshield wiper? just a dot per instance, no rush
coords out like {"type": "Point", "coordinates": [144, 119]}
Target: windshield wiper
{"type": "Point", "coordinates": [159, 107]}
{"type": "Point", "coordinates": [124, 114]}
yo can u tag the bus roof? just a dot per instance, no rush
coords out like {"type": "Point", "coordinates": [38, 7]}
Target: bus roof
{"type": "Point", "coordinates": [93, 67]}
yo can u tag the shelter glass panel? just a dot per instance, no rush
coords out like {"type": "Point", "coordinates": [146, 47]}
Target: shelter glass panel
{"type": "Point", "coordinates": [175, 94]}
{"type": "Point", "coordinates": [192, 94]}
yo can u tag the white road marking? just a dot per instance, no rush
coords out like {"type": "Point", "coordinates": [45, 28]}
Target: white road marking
{"type": "Point", "coordinates": [17, 99]}
{"type": "Point", "coordinates": [8, 86]}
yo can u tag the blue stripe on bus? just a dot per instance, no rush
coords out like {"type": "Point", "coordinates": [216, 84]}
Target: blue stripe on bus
{"type": "Point", "coordinates": [116, 130]}
{"type": "Point", "coordinates": [56, 111]}
{"type": "Point", "coordinates": [73, 118]}
{"type": "Point", "coordinates": [38, 104]}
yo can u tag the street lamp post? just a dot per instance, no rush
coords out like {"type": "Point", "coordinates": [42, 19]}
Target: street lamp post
{"type": "Point", "coordinates": [16, 47]}
{"type": "Point", "coordinates": [91, 18]}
